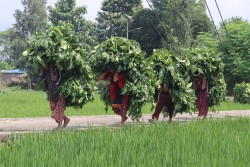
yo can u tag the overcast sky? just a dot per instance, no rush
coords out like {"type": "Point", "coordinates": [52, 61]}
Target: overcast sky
{"type": "Point", "coordinates": [228, 8]}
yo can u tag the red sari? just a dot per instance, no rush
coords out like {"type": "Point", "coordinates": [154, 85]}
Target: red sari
{"type": "Point", "coordinates": [164, 100]}
{"type": "Point", "coordinates": [202, 97]}
{"type": "Point", "coordinates": [119, 102]}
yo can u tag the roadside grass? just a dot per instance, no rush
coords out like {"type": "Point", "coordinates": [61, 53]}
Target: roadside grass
{"type": "Point", "coordinates": [23, 103]}
{"type": "Point", "coordinates": [17, 104]}
{"type": "Point", "coordinates": [230, 105]}
{"type": "Point", "coordinates": [213, 143]}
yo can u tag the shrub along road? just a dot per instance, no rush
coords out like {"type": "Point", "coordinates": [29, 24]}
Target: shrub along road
{"type": "Point", "coordinates": [24, 125]}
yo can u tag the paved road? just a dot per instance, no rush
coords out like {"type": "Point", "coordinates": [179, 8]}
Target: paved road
{"type": "Point", "coordinates": [24, 125]}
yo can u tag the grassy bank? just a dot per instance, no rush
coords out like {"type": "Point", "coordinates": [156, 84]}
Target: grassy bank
{"type": "Point", "coordinates": [210, 143]}
{"type": "Point", "coordinates": [20, 103]}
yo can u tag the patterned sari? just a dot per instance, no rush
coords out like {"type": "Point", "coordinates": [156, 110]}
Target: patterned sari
{"type": "Point", "coordinates": [57, 103]}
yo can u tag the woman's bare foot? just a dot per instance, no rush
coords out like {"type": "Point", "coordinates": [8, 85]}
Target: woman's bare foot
{"type": "Point", "coordinates": [124, 119]}
{"type": "Point", "coordinates": [66, 121]}
{"type": "Point", "coordinates": [170, 120]}
{"type": "Point", "coordinates": [59, 126]}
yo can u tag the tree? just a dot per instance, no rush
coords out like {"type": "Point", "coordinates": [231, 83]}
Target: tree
{"type": "Point", "coordinates": [114, 16]}
{"type": "Point", "coordinates": [236, 42]}
{"type": "Point", "coordinates": [174, 20]}
{"type": "Point", "coordinates": [66, 10]}
{"type": "Point", "coordinates": [181, 20]}
{"type": "Point", "coordinates": [208, 40]}
{"type": "Point", "coordinates": [5, 41]}
{"type": "Point", "coordinates": [234, 49]}
{"type": "Point", "coordinates": [144, 30]}
{"type": "Point", "coordinates": [4, 65]}
{"type": "Point", "coordinates": [200, 22]}
{"type": "Point", "coordinates": [31, 20]}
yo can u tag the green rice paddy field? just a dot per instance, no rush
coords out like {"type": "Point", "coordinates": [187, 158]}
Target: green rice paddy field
{"type": "Point", "coordinates": [19, 103]}
{"type": "Point", "coordinates": [207, 143]}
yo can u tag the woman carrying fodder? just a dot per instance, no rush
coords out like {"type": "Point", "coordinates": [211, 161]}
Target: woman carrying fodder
{"type": "Point", "coordinates": [68, 78]}
{"type": "Point", "coordinates": [129, 60]}
{"type": "Point", "coordinates": [206, 68]}
{"type": "Point", "coordinates": [171, 71]}
{"type": "Point", "coordinates": [117, 82]}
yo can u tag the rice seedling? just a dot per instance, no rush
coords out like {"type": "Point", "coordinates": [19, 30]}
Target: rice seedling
{"type": "Point", "coordinates": [212, 143]}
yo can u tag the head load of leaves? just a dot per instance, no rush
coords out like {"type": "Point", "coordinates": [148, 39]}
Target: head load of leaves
{"type": "Point", "coordinates": [172, 70]}
{"type": "Point", "coordinates": [127, 57]}
{"type": "Point", "coordinates": [208, 64]}
{"type": "Point", "coordinates": [59, 47]}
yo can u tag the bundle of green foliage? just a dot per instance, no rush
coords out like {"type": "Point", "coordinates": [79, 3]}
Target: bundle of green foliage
{"type": "Point", "coordinates": [172, 70]}
{"type": "Point", "coordinates": [127, 57]}
{"type": "Point", "coordinates": [58, 46]}
{"type": "Point", "coordinates": [208, 63]}
{"type": "Point", "coordinates": [242, 93]}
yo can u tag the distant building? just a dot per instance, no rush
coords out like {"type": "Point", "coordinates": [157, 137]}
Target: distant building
{"type": "Point", "coordinates": [9, 75]}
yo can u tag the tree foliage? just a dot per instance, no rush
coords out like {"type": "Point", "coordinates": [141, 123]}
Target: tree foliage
{"type": "Point", "coordinates": [143, 30]}
{"type": "Point", "coordinates": [237, 47]}
{"type": "Point", "coordinates": [181, 20]}
{"type": "Point", "coordinates": [234, 49]}
{"type": "Point", "coordinates": [67, 11]}
{"type": "Point", "coordinates": [112, 19]}
{"type": "Point", "coordinates": [170, 23]}
{"type": "Point", "coordinates": [32, 19]}
{"type": "Point", "coordinates": [200, 22]}
{"type": "Point", "coordinates": [5, 43]}
{"type": "Point", "coordinates": [209, 40]}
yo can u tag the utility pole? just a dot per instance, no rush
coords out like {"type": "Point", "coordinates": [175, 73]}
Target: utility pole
{"type": "Point", "coordinates": [129, 18]}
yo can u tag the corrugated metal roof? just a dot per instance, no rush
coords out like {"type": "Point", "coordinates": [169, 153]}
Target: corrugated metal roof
{"type": "Point", "coordinates": [15, 71]}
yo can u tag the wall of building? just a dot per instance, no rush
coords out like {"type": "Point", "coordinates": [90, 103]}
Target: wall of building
{"type": "Point", "coordinates": [8, 77]}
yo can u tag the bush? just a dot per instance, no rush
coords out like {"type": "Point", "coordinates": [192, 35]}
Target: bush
{"type": "Point", "coordinates": [242, 93]}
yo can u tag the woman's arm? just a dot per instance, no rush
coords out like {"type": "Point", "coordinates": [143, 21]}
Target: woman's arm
{"type": "Point", "coordinates": [53, 73]}
{"type": "Point", "coordinates": [195, 84]}
{"type": "Point", "coordinates": [104, 76]}
{"type": "Point", "coordinates": [43, 72]}
{"type": "Point", "coordinates": [120, 78]}
{"type": "Point", "coordinates": [204, 84]}
{"type": "Point", "coordinates": [115, 79]}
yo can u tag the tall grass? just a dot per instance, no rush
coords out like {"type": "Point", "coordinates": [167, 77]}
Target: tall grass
{"type": "Point", "coordinates": [213, 143]}
{"type": "Point", "coordinates": [16, 104]}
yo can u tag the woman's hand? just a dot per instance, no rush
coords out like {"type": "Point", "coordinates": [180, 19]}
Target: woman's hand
{"type": "Point", "coordinates": [53, 74]}
{"type": "Point", "coordinates": [115, 79]}
{"type": "Point", "coordinates": [204, 84]}
{"type": "Point", "coordinates": [102, 77]}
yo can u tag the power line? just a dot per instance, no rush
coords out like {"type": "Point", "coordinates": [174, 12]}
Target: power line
{"type": "Point", "coordinates": [214, 23]}
{"type": "Point", "coordinates": [171, 37]}
{"type": "Point", "coordinates": [223, 23]}
{"type": "Point", "coordinates": [160, 20]}
{"type": "Point", "coordinates": [224, 50]}
{"type": "Point", "coordinates": [154, 25]}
